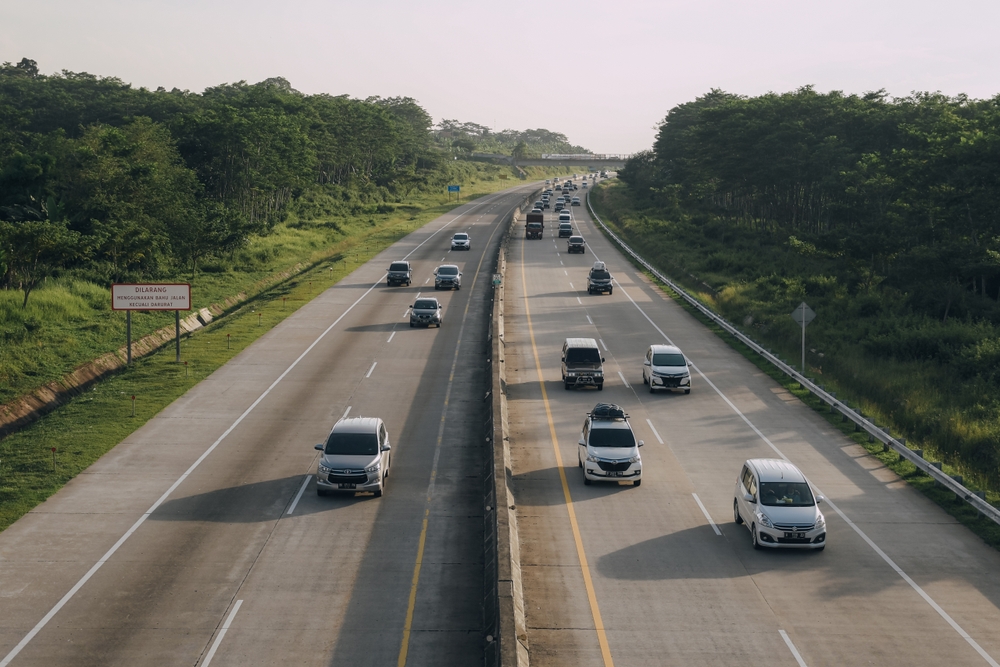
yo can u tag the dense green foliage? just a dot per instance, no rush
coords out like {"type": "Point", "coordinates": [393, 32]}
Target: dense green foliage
{"type": "Point", "coordinates": [883, 214]}
{"type": "Point", "coordinates": [107, 182]}
{"type": "Point", "coordinates": [465, 138]}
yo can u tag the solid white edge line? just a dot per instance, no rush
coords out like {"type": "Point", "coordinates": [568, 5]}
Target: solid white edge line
{"type": "Point", "coordinates": [346, 412]}
{"type": "Point", "coordinates": [298, 495]}
{"type": "Point", "coordinates": [222, 633]}
{"type": "Point", "coordinates": [578, 301]}
{"type": "Point", "coordinates": [369, 373]}
{"type": "Point", "coordinates": [708, 516]}
{"type": "Point", "coordinates": [588, 316]}
{"type": "Point", "coordinates": [391, 336]}
{"type": "Point", "coordinates": [117, 545]}
{"type": "Point", "coordinates": [624, 380]}
{"type": "Point", "coordinates": [603, 345]}
{"type": "Point", "coordinates": [791, 647]}
{"type": "Point", "coordinates": [655, 432]}
{"type": "Point", "coordinates": [916, 587]}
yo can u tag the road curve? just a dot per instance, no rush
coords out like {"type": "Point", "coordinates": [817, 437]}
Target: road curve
{"type": "Point", "coordinates": [200, 539]}
{"type": "Point", "coordinates": [660, 574]}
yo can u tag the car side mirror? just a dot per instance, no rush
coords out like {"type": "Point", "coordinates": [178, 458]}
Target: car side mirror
{"type": "Point", "coordinates": [603, 359]}
{"type": "Point", "coordinates": [439, 306]}
{"type": "Point", "coordinates": [582, 442]}
{"type": "Point", "coordinates": [564, 359]}
{"type": "Point", "coordinates": [386, 447]}
{"type": "Point", "coordinates": [646, 363]}
{"type": "Point", "coordinates": [641, 443]}
{"type": "Point", "coordinates": [820, 499]}
{"type": "Point", "coordinates": [412, 305]}
{"type": "Point", "coordinates": [747, 497]}
{"type": "Point", "coordinates": [319, 446]}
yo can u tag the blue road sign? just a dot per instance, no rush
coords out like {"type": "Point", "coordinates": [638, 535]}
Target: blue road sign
{"type": "Point", "coordinates": [454, 188]}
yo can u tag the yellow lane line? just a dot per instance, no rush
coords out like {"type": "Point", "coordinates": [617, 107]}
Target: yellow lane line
{"type": "Point", "coordinates": [588, 583]}
{"type": "Point", "coordinates": [408, 623]}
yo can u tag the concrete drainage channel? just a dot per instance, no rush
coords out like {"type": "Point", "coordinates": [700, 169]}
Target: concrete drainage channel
{"type": "Point", "coordinates": [506, 632]}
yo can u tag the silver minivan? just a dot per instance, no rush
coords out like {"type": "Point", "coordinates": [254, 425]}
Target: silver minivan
{"type": "Point", "coordinates": [775, 501]}
{"type": "Point", "coordinates": [356, 457]}
{"type": "Point", "coordinates": [666, 368]}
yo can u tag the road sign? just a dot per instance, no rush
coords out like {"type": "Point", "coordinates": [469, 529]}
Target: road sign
{"type": "Point", "coordinates": [454, 188]}
{"type": "Point", "coordinates": [151, 296]}
{"type": "Point", "coordinates": [803, 314]}
{"type": "Point", "coordinates": [497, 279]}
{"type": "Point", "coordinates": [503, 177]}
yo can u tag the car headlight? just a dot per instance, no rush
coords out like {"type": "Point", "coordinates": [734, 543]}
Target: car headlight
{"type": "Point", "coordinates": [323, 469]}
{"type": "Point", "coordinates": [591, 458]}
{"type": "Point", "coordinates": [821, 522]}
{"type": "Point", "coordinates": [598, 373]}
{"type": "Point", "coordinates": [635, 459]}
{"type": "Point", "coordinates": [374, 468]}
{"type": "Point", "coordinates": [763, 520]}
{"type": "Point", "coordinates": [571, 374]}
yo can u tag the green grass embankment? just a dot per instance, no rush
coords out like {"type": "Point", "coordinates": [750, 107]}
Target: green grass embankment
{"type": "Point", "coordinates": [897, 394]}
{"type": "Point", "coordinates": [75, 324]}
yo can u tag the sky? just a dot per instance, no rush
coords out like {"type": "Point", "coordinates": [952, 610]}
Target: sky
{"type": "Point", "coordinates": [602, 73]}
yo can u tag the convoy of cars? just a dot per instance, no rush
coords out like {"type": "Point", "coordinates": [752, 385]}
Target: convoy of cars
{"type": "Point", "coordinates": [772, 497]}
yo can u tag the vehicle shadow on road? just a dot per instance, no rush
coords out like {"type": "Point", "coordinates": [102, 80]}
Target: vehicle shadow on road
{"type": "Point", "coordinates": [540, 488]}
{"type": "Point", "coordinates": [251, 503]}
{"type": "Point", "coordinates": [381, 326]}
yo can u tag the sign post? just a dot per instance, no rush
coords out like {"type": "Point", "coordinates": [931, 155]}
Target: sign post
{"type": "Point", "coordinates": [456, 189]}
{"type": "Point", "coordinates": [151, 296]}
{"type": "Point", "coordinates": [803, 315]}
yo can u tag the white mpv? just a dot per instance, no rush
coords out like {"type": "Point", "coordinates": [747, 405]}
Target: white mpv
{"type": "Point", "coordinates": [775, 501]}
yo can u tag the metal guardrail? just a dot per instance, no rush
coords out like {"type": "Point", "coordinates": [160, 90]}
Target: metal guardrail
{"type": "Point", "coordinates": [861, 422]}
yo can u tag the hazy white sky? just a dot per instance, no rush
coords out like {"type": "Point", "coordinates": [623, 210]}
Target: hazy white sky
{"type": "Point", "coordinates": [603, 73]}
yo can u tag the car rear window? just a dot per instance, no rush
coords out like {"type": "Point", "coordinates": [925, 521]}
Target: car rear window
{"type": "Point", "coordinates": [668, 359]}
{"type": "Point", "coordinates": [585, 355]}
{"type": "Point", "coordinates": [351, 444]}
{"type": "Point", "coordinates": [398, 266]}
{"type": "Point", "coordinates": [786, 494]}
{"type": "Point", "coordinates": [448, 271]}
{"type": "Point", "coordinates": [611, 437]}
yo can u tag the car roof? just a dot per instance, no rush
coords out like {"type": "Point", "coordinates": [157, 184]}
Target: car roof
{"type": "Point", "coordinates": [357, 425]}
{"type": "Point", "coordinates": [581, 342]}
{"type": "Point", "coordinates": [776, 470]}
{"type": "Point", "coordinates": [461, 233]}
{"type": "Point", "coordinates": [448, 266]}
{"type": "Point", "coordinates": [575, 238]}
{"type": "Point", "coordinates": [665, 349]}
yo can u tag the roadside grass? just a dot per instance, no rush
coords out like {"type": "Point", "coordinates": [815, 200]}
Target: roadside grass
{"type": "Point", "coordinates": [965, 514]}
{"type": "Point", "coordinates": [68, 321]}
{"type": "Point", "coordinates": [92, 423]}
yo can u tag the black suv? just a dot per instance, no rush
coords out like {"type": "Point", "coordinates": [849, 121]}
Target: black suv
{"type": "Point", "coordinates": [576, 244]}
{"type": "Point", "coordinates": [399, 273]}
{"type": "Point", "coordinates": [599, 280]}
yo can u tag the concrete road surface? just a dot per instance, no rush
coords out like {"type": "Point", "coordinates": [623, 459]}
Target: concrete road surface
{"type": "Point", "coordinates": [660, 574]}
{"type": "Point", "coordinates": [201, 539]}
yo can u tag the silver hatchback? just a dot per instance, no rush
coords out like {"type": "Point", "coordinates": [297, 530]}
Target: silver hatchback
{"type": "Point", "coordinates": [356, 457]}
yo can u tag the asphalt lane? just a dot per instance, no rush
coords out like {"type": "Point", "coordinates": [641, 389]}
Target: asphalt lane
{"type": "Point", "coordinates": [901, 583]}
{"type": "Point", "coordinates": [200, 539]}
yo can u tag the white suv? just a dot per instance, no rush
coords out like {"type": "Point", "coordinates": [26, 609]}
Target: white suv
{"type": "Point", "coordinates": [666, 368]}
{"type": "Point", "coordinates": [355, 457]}
{"type": "Point", "coordinates": [775, 501]}
{"type": "Point", "coordinates": [608, 451]}
{"type": "Point", "coordinates": [461, 241]}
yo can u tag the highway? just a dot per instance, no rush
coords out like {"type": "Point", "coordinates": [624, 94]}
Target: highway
{"type": "Point", "coordinates": [201, 540]}
{"type": "Point", "coordinates": [660, 574]}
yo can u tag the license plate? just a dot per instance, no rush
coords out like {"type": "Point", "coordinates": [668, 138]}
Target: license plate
{"type": "Point", "coordinates": [795, 536]}
{"type": "Point", "coordinates": [347, 486]}
{"type": "Point", "coordinates": [615, 473]}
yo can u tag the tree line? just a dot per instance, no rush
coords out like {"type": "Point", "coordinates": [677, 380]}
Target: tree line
{"type": "Point", "coordinates": [902, 191]}
{"type": "Point", "coordinates": [118, 183]}
{"type": "Point", "coordinates": [467, 137]}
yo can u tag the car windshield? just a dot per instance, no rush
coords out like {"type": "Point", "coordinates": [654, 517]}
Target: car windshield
{"type": "Point", "coordinates": [668, 359]}
{"type": "Point", "coordinates": [786, 494]}
{"type": "Point", "coordinates": [448, 271]}
{"type": "Point", "coordinates": [585, 355]}
{"type": "Point", "coordinates": [576, 239]}
{"type": "Point", "coordinates": [461, 237]}
{"type": "Point", "coordinates": [424, 304]}
{"type": "Point", "coordinates": [398, 266]}
{"type": "Point", "coordinates": [351, 444]}
{"type": "Point", "coordinates": [600, 275]}
{"type": "Point", "coordinates": [611, 437]}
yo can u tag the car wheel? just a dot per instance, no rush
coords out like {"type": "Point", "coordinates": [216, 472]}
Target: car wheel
{"type": "Point", "coordinates": [600, 387]}
{"type": "Point", "coordinates": [687, 391]}
{"type": "Point", "coordinates": [579, 462]}
{"type": "Point", "coordinates": [637, 482]}
{"type": "Point", "coordinates": [736, 513]}
{"type": "Point", "coordinates": [378, 492]}
{"type": "Point", "coordinates": [820, 548]}
{"type": "Point", "coordinates": [411, 325]}
{"type": "Point", "coordinates": [753, 536]}
{"type": "Point", "coordinates": [651, 390]}
{"type": "Point", "coordinates": [611, 291]}
{"type": "Point", "coordinates": [586, 482]}
{"type": "Point", "coordinates": [568, 385]}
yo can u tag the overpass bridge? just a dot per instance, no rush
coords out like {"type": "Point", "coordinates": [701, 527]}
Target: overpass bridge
{"type": "Point", "coordinates": [581, 162]}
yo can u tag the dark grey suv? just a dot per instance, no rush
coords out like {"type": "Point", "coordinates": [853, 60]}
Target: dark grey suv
{"type": "Point", "coordinates": [447, 276]}
{"type": "Point", "coordinates": [399, 273]}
